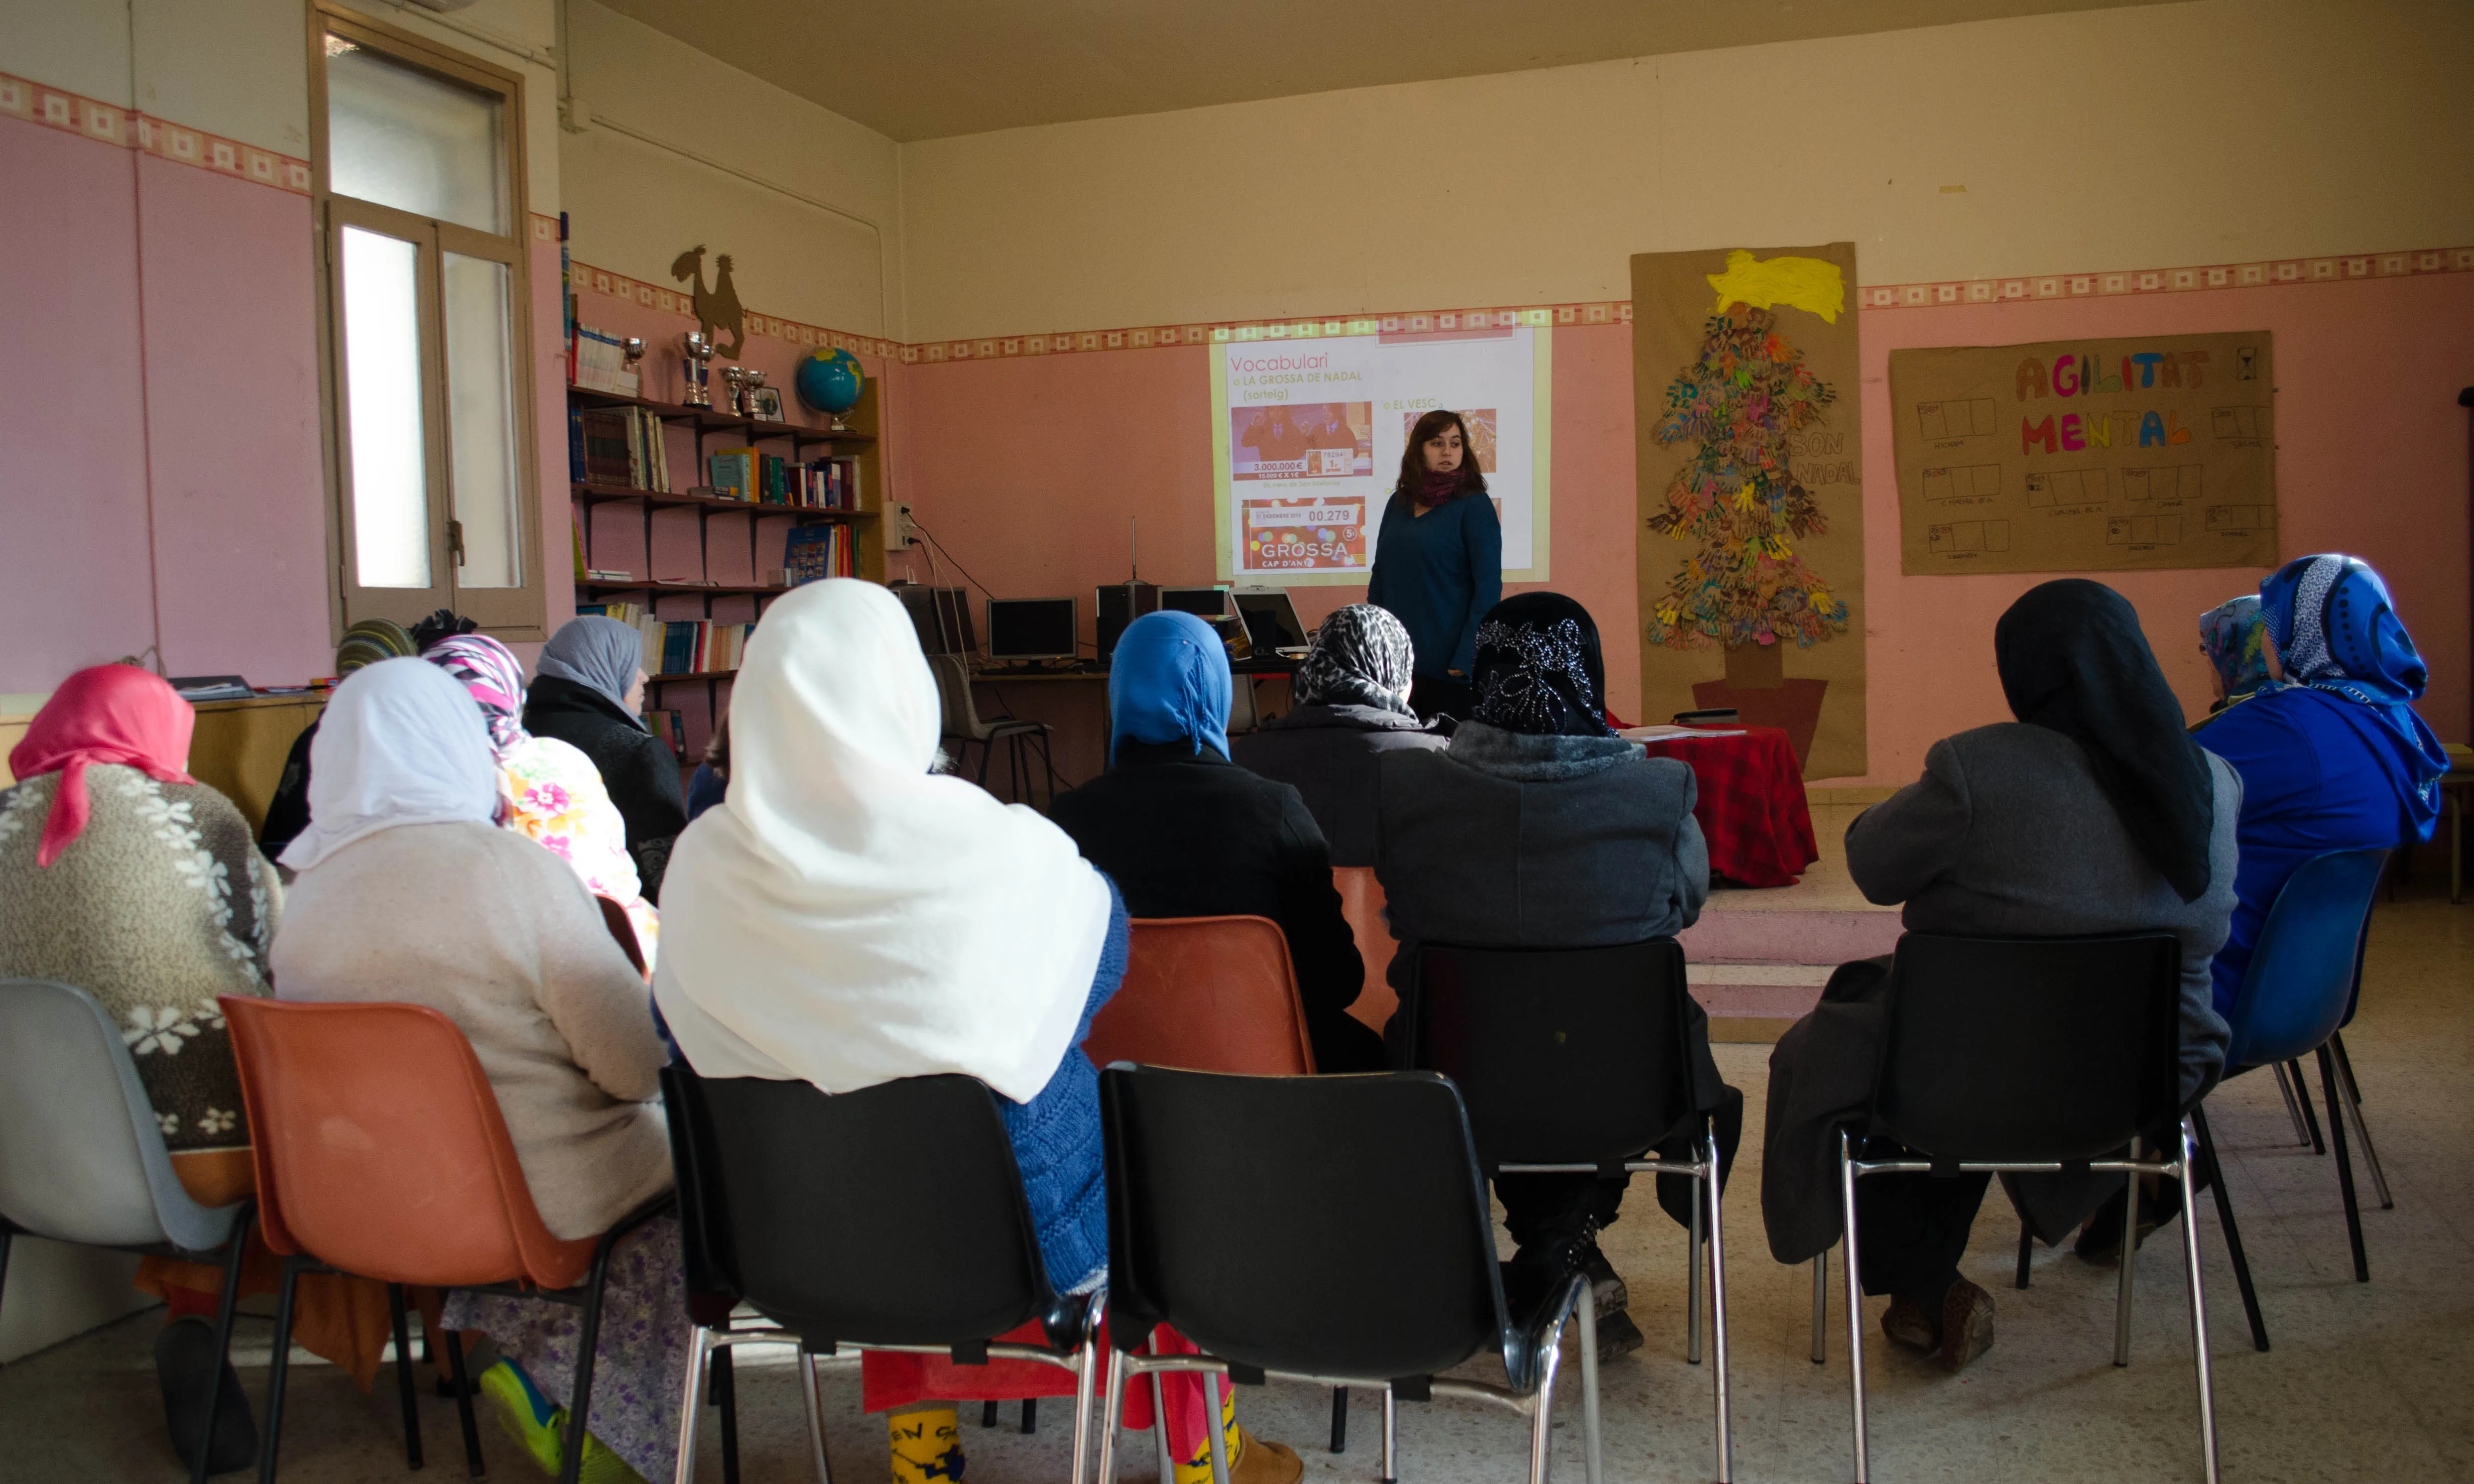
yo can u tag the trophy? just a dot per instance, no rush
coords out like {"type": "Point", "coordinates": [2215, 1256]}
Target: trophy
{"type": "Point", "coordinates": [736, 402]}
{"type": "Point", "coordinates": [696, 365]}
{"type": "Point", "coordinates": [750, 407]}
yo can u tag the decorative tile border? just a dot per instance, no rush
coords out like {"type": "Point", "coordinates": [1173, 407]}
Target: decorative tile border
{"type": "Point", "coordinates": [671, 300]}
{"type": "Point", "coordinates": [111, 124]}
{"type": "Point", "coordinates": [2343, 268]}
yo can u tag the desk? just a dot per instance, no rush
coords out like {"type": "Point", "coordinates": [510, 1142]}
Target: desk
{"type": "Point", "coordinates": [1086, 752]}
{"type": "Point", "coordinates": [1750, 803]}
{"type": "Point", "coordinates": [238, 747]}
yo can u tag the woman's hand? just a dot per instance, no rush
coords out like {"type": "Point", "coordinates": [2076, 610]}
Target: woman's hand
{"type": "Point", "coordinates": [1456, 675]}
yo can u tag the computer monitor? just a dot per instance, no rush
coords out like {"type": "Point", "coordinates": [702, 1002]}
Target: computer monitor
{"type": "Point", "coordinates": [942, 616]}
{"type": "Point", "coordinates": [1201, 602]}
{"type": "Point", "coordinates": [1270, 620]}
{"type": "Point", "coordinates": [1032, 628]}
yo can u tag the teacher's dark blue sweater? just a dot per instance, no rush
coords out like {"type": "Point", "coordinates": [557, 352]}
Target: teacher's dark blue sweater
{"type": "Point", "coordinates": [1438, 573]}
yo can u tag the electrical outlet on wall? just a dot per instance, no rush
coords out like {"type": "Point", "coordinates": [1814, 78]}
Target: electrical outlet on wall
{"type": "Point", "coordinates": [898, 535]}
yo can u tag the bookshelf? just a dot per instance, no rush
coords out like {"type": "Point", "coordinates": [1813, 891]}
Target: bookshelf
{"type": "Point", "coordinates": [705, 424]}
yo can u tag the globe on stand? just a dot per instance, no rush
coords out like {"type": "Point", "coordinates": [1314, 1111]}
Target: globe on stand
{"type": "Point", "coordinates": [830, 381]}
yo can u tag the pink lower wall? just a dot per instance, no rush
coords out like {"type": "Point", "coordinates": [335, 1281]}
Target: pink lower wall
{"type": "Point", "coordinates": [232, 435]}
{"type": "Point", "coordinates": [1028, 469]}
{"type": "Point", "coordinates": [75, 588]}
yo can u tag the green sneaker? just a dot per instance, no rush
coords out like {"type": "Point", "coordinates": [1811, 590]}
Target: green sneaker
{"type": "Point", "coordinates": [539, 1429]}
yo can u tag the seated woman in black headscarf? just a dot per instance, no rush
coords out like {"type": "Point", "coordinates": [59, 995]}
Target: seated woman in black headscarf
{"type": "Point", "coordinates": [1185, 833]}
{"type": "Point", "coordinates": [1352, 695]}
{"type": "Point", "coordinates": [2095, 813]}
{"type": "Point", "coordinates": [1538, 827]}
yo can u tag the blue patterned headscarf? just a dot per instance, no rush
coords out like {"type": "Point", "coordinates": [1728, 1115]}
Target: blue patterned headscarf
{"type": "Point", "coordinates": [1168, 682]}
{"type": "Point", "coordinates": [2230, 634]}
{"type": "Point", "coordinates": [2337, 631]}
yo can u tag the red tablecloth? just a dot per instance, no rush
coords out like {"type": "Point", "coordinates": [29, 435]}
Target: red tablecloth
{"type": "Point", "coordinates": [1751, 803]}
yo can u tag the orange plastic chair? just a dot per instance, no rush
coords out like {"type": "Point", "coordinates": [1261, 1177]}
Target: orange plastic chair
{"type": "Point", "coordinates": [615, 917]}
{"type": "Point", "coordinates": [1209, 994]}
{"type": "Point", "coordinates": [1361, 902]}
{"type": "Point", "coordinates": [380, 1152]}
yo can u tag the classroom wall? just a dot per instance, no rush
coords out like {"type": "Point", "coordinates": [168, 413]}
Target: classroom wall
{"type": "Point", "coordinates": [2224, 131]}
{"type": "Point", "coordinates": [2215, 132]}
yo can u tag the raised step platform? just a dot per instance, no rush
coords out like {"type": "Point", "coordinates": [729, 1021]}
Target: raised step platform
{"type": "Point", "coordinates": [1758, 957]}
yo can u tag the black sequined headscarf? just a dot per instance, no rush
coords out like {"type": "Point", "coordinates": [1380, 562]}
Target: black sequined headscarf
{"type": "Point", "coordinates": [1538, 670]}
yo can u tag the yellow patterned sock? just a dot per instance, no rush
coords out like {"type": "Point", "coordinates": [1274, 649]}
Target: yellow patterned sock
{"type": "Point", "coordinates": [927, 1445]}
{"type": "Point", "coordinates": [1198, 1468]}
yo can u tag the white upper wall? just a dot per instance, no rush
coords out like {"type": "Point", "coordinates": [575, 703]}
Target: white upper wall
{"type": "Point", "coordinates": [2217, 131]}
{"type": "Point", "coordinates": [634, 206]}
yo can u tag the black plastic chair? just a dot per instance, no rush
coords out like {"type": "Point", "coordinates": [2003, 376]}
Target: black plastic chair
{"type": "Point", "coordinates": [888, 1219]}
{"type": "Point", "coordinates": [1345, 1240]}
{"type": "Point", "coordinates": [2029, 1055]}
{"type": "Point", "coordinates": [1578, 1060]}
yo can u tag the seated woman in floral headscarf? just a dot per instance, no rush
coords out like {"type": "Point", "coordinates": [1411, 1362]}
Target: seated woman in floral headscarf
{"type": "Point", "coordinates": [2331, 753]}
{"type": "Point", "coordinates": [1538, 827]}
{"type": "Point", "coordinates": [2234, 636]}
{"type": "Point", "coordinates": [554, 793]}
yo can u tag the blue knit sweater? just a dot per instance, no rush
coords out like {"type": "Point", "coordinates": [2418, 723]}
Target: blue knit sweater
{"type": "Point", "coordinates": [1056, 1140]}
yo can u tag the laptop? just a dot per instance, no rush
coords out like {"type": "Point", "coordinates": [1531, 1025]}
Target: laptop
{"type": "Point", "coordinates": [1271, 621]}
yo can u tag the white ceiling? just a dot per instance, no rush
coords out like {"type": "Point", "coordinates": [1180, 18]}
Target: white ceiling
{"type": "Point", "coordinates": [924, 69]}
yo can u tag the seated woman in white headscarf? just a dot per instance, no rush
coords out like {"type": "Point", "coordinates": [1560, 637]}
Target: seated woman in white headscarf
{"type": "Point", "coordinates": [848, 916]}
{"type": "Point", "coordinates": [501, 937]}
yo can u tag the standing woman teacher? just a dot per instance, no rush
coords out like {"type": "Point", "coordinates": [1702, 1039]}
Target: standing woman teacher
{"type": "Point", "coordinates": [1438, 560]}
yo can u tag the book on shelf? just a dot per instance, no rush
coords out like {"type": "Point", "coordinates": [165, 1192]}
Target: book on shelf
{"type": "Point", "coordinates": [732, 472]}
{"type": "Point", "coordinates": [601, 362]}
{"type": "Point", "coordinates": [618, 445]}
{"type": "Point", "coordinates": [702, 646]}
{"type": "Point", "coordinates": [671, 727]}
{"type": "Point", "coordinates": [814, 552]}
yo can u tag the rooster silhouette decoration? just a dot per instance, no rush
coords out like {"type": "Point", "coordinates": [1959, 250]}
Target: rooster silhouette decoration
{"type": "Point", "coordinates": [716, 308]}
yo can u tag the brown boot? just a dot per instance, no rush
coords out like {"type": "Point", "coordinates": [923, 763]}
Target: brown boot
{"type": "Point", "coordinates": [1258, 1462]}
{"type": "Point", "coordinates": [1966, 1326]}
{"type": "Point", "coordinates": [1911, 1325]}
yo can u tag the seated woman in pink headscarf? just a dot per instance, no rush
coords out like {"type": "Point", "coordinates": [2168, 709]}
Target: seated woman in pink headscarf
{"type": "Point", "coordinates": [554, 793]}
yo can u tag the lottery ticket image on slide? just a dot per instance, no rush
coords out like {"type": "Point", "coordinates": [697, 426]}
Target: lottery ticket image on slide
{"type": "Point", "coordinates": [1481, 424]}
{"type": "Point", "coordinates": [1305, 535]}
{"type": "Point", "coordinates": [1315, 440]}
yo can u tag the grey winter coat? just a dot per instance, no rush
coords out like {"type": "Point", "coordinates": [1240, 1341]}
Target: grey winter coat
{"type": "Point", "coordinates": [2006, 834]}
{"type": "Point", "coordinates": [1328, 754]}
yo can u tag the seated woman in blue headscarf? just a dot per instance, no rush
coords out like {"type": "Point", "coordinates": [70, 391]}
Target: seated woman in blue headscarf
{"type": "Point", "coordinates": [2331, 753]}
{"type": "Point", "coordinates": [1186, 833]}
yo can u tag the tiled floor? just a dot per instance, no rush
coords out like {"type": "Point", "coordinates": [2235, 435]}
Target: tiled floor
{"type": "Point", "coordinates": [2369, 1381]}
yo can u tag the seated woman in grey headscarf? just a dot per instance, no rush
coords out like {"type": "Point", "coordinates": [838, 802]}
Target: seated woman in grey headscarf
{"type": "Point", "coordinates": [588, 691]}
{"type": "Point", "coordinates": [2095, 813]}
{"type": "Point", "coordinates": [1352, 706]}
{"type": "Point", "coordinates": [1538, 827]}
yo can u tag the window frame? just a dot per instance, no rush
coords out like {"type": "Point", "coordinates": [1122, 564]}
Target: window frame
{"type": "Point", "coordinates": [519, 613]}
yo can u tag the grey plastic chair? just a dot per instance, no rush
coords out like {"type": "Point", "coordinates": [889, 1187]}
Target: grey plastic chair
{"type": "Point", "coordinates": [82, 1158]}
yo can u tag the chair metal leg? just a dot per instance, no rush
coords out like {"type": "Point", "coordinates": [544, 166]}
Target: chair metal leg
{"type": "Point", "coordinates": [1854, 1303]}
{"type": "Point", "coordinates": [700, 1350]}
{"type": "Point", "coordinates": [2216, 1177]}
{"type": "Point", "coordinates": [2353, 1091]}
{"type": "Point", "coordinates": [1692, 1289]}
{"type": "Point", "coordinates": [2292, 1109]}
{"type": "Point", "coordinates": [1159, 1424]}
{"type": "Point", "coordinates": [1086, 1375]}
{"type": "Point", "coordinates": [1593, 1437]}
{"type": "Point", "coordinates": [1708, 1183]}
{"type": "Point", "coordinates": [224, 1305]}
{"type": "Point", "coordinates": [2344, 1165]}
{"type": "Point", "coordinates": [2129, 1262]}
{"type": "Point", "coordinates": [2309, 1114]}
{"type": "Point", "coordinates": [2198, 1304]}
{"type": "Point", "coordinates": [278, 1367]}
{"type": "Point", "coordinates": [1112, 1411]}
{"type": "Point", "coordinates": [1029, 1414]}
{"type": "Point", "coordinates": [1214, 1431]}
{"type": "Point", "coordinates": [1340, 1418]}
{"type": "Point", "coordinates": [2026, 1251]}
{"type": "Point", "coordinates": [1820, 1304]}
{"type": "Point", "coordinates": [403, 1376]}
{"type": "Point", "coordinates": [1391, 1435]}
{"type": "Point", "coordinates": [474, 1467]}
{"type": "Point", "coordinates": [1541, 1405]}
{"type": "Point", "coordinates": [815, 1415]}
{"type": "Point", "coordinates": [579, 1406]}
{"type": "Point", "coordinates": [988, 1414]}
{"type": "Point", "coordinates": [725, 1395]}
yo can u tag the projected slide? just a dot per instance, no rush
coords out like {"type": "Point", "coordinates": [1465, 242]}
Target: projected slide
{"type": "Point", "coordinates": [1308, 436]}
